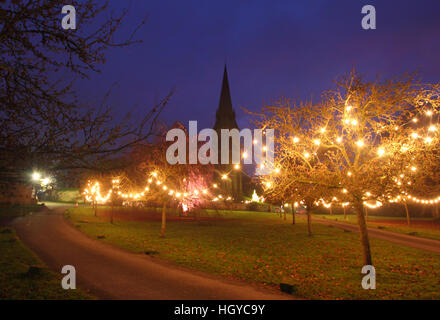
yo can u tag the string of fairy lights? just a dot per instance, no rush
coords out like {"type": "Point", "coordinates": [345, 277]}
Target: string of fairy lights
{"type": "Point", "coordinates": [428, 138]}
{"type": "Point", "coordinates": [93, 190]}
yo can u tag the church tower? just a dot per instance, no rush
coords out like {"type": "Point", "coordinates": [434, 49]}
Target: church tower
{"type": "Point", "coordinates": [225, 119]}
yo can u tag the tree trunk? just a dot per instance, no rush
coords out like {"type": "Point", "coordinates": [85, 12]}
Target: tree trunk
{"type": "Point", "coordinates": [436, 211]}
{"type": "Point", "coordinates": [408, 219]}
{"type": "Point", "coordinates": [111, 213]}
{"type": "Point", "coordinates": [345, 213]}
{"type": "Point", "coordinates": [285, 214]}
{"type": "Point", "coordinates": [309, 222]}
{"type": "Point", "coordinates": [164, 220]}
{"type": "Point", "coordinates": [331, 211]}
{"type": "Point", "coordinates": [366, 213]}
{"type": "Point", "coordinates": [270, 208]}
{"type": "Point", "coordinates": [293, 213]}
{"type": "Point", "coordinates": [364, 234]}
{"type": "Point", "coordinates": [95, 207]}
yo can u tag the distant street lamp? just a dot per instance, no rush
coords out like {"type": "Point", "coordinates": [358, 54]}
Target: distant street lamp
{"type": "Point", "coordinates": [36, 176]}
{"type": "Point", "coordinates": [45, 181]}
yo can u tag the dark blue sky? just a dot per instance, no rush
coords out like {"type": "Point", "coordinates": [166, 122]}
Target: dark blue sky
{"type": "Point", "coordinates": [293, 48]}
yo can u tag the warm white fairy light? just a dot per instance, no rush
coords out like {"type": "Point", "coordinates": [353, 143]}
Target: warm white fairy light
{"type": "Point", "coordinates": [380, 152]}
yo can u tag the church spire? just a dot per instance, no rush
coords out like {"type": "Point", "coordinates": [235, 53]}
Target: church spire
{"type": "Point", "coordinates": [225, 116]}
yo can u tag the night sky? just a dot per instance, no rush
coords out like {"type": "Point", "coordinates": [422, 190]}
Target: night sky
{"type": "Point", "coordinates": [293, 48]}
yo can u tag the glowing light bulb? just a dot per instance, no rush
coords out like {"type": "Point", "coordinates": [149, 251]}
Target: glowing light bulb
{"type": "Point", "coordinates": [306, 155]}
{"type": "Point", "coordinates": [354, 122]}
{"type": "Point", "coordinates": [244, 155]}
{"type": "Point", "coordinates": [413, 169]}
{"type": "Point", "coordinates": [322, 130]}
{"type": "Point", "coordinates": [360, 143]}
{"type": "Point", "coordinates": [36, 176]}
{"type": "Point", "coordinates": [295, 139]}
{"type": "Point", "coordinates": [317, 142]}
{"type": "Point", "coordinates": [339, 140]}
{"type": "Point", "coordinates": [381, 152]}
{"type": "Point", "coordinates": [237, 166]}
{"type": "Point", "coordinates": [414, 135]}
{"type": "Point", "coordinates": [349, 173]}
{"type": "Point", "coordinates": [432, 128]}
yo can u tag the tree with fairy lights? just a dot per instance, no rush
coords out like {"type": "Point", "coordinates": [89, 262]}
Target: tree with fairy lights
{"type": "Point", "coordinates": [348, 148]}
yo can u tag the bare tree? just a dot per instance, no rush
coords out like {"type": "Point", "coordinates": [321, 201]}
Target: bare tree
{"type": "Point", "coordinates": [41, 118]}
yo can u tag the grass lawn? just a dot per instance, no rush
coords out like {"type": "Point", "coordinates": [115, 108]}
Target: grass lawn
{"type": "Point", "coordinates": [261, 247]}
{"type": "Point", "coordinates": [395, 224]}
{"type": "Point", "coordinates": [15, 260]}
{"type": "Point", "coordinates": [7, 212]}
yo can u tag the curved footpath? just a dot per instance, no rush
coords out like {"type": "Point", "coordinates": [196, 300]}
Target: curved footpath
{"type": "Point", "coordinates": [430, 245]}
{"type": "Point", "coordinates": [112, 273]}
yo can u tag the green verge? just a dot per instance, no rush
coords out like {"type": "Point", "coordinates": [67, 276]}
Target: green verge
{"type": "Point", "coordinates": [261, 247]}
{"type": "Point", "coordinates": [8, 212]}
{"type": "Point", "coordinates": [16, 283]}
{"type": "Point", "coordinates": [375, 222]}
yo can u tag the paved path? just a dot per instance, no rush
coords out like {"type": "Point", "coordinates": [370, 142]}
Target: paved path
{"type": "Point", "coordinates": [111, 273]}
{"type": "Point", "coordinates": [399, 238]}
